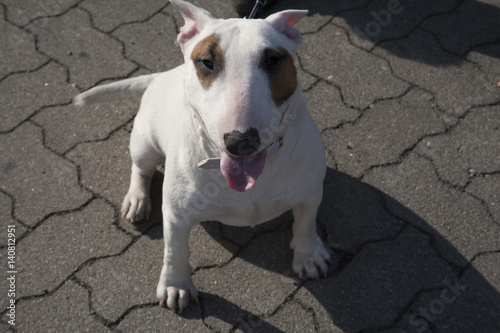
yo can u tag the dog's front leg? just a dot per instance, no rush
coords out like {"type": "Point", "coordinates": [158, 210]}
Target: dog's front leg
{"type": "Point", "coordinates": [175, 287]}
{"type": "Point", "coordinates": [309, 254]}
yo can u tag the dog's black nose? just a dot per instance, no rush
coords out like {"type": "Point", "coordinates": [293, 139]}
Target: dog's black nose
{"type": "Point", "coordinates": [239, 144]}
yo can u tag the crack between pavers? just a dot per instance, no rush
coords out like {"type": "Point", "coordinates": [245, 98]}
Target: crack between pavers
{"type": "Point", "coordinates": [40, 17]}
{"type": "Point", "coordinates": [159, 11]}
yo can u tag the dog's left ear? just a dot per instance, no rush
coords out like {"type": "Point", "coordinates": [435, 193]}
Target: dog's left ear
{"type": "Point", "coordinates": [195, 20]}
{"type": "Point", "coordinates": [284, 22]}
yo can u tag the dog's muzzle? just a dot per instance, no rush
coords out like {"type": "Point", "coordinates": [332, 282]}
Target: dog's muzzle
{"type": "Point", "coordinates": [242, 144]}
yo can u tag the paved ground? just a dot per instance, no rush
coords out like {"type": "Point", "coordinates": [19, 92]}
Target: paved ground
{"type": "Point", "coordinates": [406, 95]}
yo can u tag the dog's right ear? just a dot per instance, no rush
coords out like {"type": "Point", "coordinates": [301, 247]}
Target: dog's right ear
{"type": "Point", "coordinates": [195, 20]}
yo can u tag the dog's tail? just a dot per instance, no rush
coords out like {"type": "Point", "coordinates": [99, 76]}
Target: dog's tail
{"type": "Point", "coordinates": [133, 87]}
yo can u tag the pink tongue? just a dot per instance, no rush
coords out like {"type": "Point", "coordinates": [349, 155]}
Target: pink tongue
{"type": "Point", "coordinates": [242, 172]}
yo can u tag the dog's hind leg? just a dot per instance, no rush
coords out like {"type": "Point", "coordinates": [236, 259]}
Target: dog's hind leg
{"type": "Point", "coordinates": [309, 254]}
{"type": "Point", "coordinates": [137, 203]}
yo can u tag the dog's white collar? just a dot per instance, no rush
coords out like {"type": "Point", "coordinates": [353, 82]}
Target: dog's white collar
{"type": "Point", "coordinates": [214, 163]}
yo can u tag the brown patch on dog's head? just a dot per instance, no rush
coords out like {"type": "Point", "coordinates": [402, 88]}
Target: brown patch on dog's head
{"type": "Point", "coordinates": [208, 60]}
{"type": "Point", "coordinates": [281, 72]}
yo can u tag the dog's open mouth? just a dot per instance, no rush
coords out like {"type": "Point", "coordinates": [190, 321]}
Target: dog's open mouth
{"type": "Point", "coordinates": [242, 172]}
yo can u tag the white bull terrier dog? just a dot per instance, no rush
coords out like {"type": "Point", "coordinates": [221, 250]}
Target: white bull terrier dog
{"type": "Point", "coordinates": [239, 146]}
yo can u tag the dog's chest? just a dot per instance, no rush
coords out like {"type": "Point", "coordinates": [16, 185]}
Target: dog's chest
{"type": "Point", "coordinates": [250, 211]}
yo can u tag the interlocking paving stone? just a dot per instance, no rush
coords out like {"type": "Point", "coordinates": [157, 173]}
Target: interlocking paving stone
{"type": "Point", "coordinates": [376, 284]}
{"type": "Point", "coordinates": [105, 165]}
{"type": "Point", "coordinates": [474, 297]}
{"type": "Point", "coordinates": [153, 44]}
{"type": "Point", "coordinates": [456, 84]}
{"type": "Point", "coordinates": [472, 147]}
{"type": "Point", "coordinates": [207, 246]}
{"type": "Point", "coordinates": [17, 49]}
{"type": "Point", "coordinates": [68, 125]}
{"type": "Point", "coordinates": [22, 12]}
{"type": "Point", "coordinates": [488, 59]}
{"type": "Point", "coordinates": [82, 235]}
{"type": "Point", "coordinates": [41, 181]}
{"type": "Point", "coordinates": [254, 283]}
{"type": "Point", "coordinates": [121, 282]}
{"type": "Point", "coordinates": [326, 107]}
{"type": "Point", "coordinates": [291, 318]}
{"type": "Point", "coordinates": [383, 20]}
{"type": "Point", "coordinates": [218, 9]}
{"type": "Point", "coordinates": [320, 12]}
{"type": "Point", "coordinates": [461, 227]}
{"type": "Point", "coordinates": [383, 133]}
{"type": "Point", "coordinates": [362, 77]}
{"type": "Point", "coordinates": [487, 188]}
{"type": "Point", "coordinates": [104, 13]}
{"type": "Point", "coordinates": [90, 55]}
{"type": "Point", "coordinates": [157, 319]}
{"type": "Point", "coordinates": [23, 94]}
{"type": "Point", "coordinates": [67, 310]}
{"type": "Point", "coordinates": [475, 22]}
{"type": "Point", "coordinates": [353, 213]}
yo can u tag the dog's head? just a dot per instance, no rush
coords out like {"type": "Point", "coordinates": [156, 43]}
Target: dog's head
{"type": "Point", "coordinates": [240, 80]}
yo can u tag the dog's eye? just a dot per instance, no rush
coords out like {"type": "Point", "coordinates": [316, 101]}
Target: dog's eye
{"type": "Point", "coordinates": [272, 61]}
{"type": "Point", "coordinates": [208, 64]}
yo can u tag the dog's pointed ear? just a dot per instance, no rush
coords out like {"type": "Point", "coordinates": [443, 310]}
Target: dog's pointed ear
{"type": "Point", "coordinates": [284, 22]}
{"type": "Point", "coordinates": [195, 20]}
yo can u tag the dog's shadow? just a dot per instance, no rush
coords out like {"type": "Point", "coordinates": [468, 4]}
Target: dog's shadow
{"type": "Point", "coordinates": [391, 269]}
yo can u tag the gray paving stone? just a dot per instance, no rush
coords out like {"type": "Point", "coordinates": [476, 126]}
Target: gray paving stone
{"type": "Point", "coordinates": [474, 22]}
{"type": "Point", "coordinates": [105, 165]}
{"type": "Point", "coordinates": [362, 77]}
{"type": "Point", "coordinates": [23, 94]}
{"type": "Point", "coordinates": [83, 235]}
{"type": "Point", "coordinates": [40, 181]}
{"type": "Point", "coordinates": [384, 20]}
{"type": "Point", "coordinates": [153, 43]}
{"type": "Point", "coordinates": [291, 318]}
{"type": "Point", "coordinates": [218, 9]}
{"type": "Point", "coordinates": [68, 125]}
{"type": "Point", "coordinates": [374, 287]}
{"type": "Point", "coordinates": [105, 169]}
{"type": "Point", "coordinates": [471, 304]}
{"type": "Point", "coordinates": [487, 188]}
{"type": "Point", "coordinates": [121, 282]}
{"type": "Point", "coordinates": [487, 57]}
{"type": "Point", "coordinates": [326, 107]}
{"type": "Point", "coordinates": [90, 55]}
{"type": "Point", "coordinates": [320, 12]}
{"type": "Point", "coordinates": [67, 310]}
{"type": "Point", "coordinates": [460, 225]}
{"type": "Point", "coordinates": [17, 49]}
{"type": "Point", "coordinates": [23, 12]}
{"type": "Point", "coordinates": [157, 319]}
{"type": "Point", "coordinates": [353, 213]}
{"type": "Point", "coordinates": [456, 85]}
{"type": "Point", "coordinates": [472, 147]}
{"type": "Point", "coordinates": [104, 13]}
{"type": "Point", "coordinates": [383, 133]}
{"type": "Point", "coordinates": [207, 246]}
{"type": "Point", "coordinates": [306, 79]}
{"type": "Point", "coordinates": [253, 284]}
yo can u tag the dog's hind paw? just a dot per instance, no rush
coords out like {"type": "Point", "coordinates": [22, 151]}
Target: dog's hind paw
{"type": "Point", "coordinates": [311, 260]}
{"type": "Point", "coordinates": [136, 206]}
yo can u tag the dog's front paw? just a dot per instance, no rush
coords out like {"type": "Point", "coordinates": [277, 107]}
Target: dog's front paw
{"type": "Point", "coordinates": [175, 291]}
{"type": "Point", "coordinates": [136, 206]}
{"type": "Point", "coordinates": [311, 259]}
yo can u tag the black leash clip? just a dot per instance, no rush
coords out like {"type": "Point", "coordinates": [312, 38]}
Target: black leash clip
{"type": "Point", "coordinates": [256, 9]}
